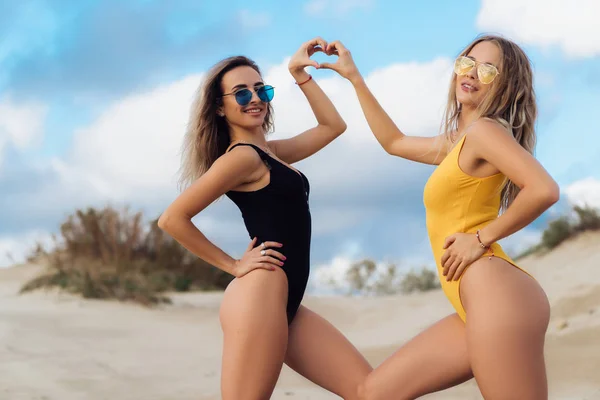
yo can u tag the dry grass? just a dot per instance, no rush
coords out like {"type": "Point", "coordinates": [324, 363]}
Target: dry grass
{"type": "Point", "coordinates": [111, 254]}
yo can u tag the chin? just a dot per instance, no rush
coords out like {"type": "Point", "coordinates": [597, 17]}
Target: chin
{"type": "Point", "coordinates": [252, 125]}
{"type": "Point", "coordinates": [467, 101]}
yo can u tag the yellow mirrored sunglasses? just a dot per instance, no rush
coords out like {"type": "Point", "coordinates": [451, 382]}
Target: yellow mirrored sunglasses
{"type": "Point", "coordinates": [485, 72]}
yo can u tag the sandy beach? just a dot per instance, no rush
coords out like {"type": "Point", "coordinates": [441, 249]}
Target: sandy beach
{"type": "Point", "coordinates": [56, 346]}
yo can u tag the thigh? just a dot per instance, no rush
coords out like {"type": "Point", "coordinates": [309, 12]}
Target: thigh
{"type": "Point", "coordinates": [436, 359]}
{"type": "Point", "coordinates": [254, 322]}
{"type": "Point", "coordinates": [507, 319]}
{"type": "Point", "coordinates": [320, 353]}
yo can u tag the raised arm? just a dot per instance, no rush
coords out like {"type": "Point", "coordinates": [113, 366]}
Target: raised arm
{"type": "Point", "coordinates": [237, 167]}
{"type": "Point", "coordinates": [428, 150]}
{"type": "Point", "coordinates": [329, 122]}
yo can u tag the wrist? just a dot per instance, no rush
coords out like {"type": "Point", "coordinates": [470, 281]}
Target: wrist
{"type": "Point", "coordinates": [231, 266]}
{"type": "Point", "coordinates": [357, 81]}
{"type": "Point", "coordinates": [299, 74]}
{"type": "Point", "coordinates": [485, 240]}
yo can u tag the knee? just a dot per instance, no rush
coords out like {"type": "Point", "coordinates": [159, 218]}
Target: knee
{"type": "Point", "coordinates": [373, 389]}
{"type": "Point", "coordinates": [367, 390]}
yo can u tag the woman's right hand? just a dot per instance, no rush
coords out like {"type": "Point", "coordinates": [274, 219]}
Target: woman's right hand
{"type": "Point", "coordinates": [259, 257]}
{"type": "Point", "coordinates": [344, 65]}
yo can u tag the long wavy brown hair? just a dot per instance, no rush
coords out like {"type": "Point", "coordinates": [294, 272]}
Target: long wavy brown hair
{"type": "Point", "coordinates": [207, 134]}
{"type": "Point", "coordinates": [511, 102]}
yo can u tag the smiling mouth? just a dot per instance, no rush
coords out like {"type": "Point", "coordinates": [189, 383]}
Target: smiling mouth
{"type": "Point", "coordinates": [469, 87]}
{"type": "Point", "coordinates": [253, 111]}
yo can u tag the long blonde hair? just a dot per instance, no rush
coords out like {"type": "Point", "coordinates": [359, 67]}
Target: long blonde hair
{"type": "Point", "coordinates": [207, 134]}
{"type": "Point", "coordinates": [511, 102]}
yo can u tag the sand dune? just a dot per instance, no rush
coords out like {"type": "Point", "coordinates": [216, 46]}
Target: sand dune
{"type": "Point", "coordinates": [59, 347]}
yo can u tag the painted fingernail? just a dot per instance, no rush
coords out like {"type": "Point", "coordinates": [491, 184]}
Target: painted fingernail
{"type": "Point", "coordinates": [284, 257]}
{"type": "Point", "coordinates": [280, 262]}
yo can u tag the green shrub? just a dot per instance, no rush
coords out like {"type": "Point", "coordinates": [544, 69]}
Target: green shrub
{"type": "Point", "coordinates": [557, 232]}
{"type": "Point", "coordinates": [588, 219]}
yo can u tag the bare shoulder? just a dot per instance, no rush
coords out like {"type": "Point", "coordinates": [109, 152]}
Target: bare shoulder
{"type": "Point", "coordinates": [488, 132]}
{"type": "Point", "coordinates": [241, 159]}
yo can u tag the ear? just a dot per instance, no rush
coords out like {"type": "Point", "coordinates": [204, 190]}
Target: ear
{"type": "Point", "coordinates": [220, 112]}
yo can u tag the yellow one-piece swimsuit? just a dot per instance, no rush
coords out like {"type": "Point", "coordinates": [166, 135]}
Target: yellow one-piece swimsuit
{"type": "Point", "coordinates": [456, 202]}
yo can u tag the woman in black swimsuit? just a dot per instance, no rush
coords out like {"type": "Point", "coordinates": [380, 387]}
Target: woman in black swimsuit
{"type": "Point", "coordinates": [226, 152]}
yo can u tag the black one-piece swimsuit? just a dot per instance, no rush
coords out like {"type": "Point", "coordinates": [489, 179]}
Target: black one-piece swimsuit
{"type": "Point", "coordinates": [279, 212]}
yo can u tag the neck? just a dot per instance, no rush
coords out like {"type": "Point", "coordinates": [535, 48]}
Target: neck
{"type": "Point", "coordinates": [253, 136]}
{"type": "Point", "coordinates": [467, 117]}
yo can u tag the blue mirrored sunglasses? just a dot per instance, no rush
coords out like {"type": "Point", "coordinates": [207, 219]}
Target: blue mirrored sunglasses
{"type": "Point", "coordinates": [244, 96]}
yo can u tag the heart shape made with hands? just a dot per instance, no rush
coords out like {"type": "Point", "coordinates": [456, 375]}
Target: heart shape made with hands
{"type": "Point", "coordinates": [317, 45]}
{"type": "Point", "coordinates": [343, 64]}
{"type": "Point", "coordinates": [329, 50]}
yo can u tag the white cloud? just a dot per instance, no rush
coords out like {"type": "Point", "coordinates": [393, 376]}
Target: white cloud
{"type": "Point", "coordinates": [584, 192]}
{"type": "Point", "coordinates": [132, 149]}
{"type": "Point", "coordinates": [331, 278]}
{"type": "Point", "coordinates": [571, 25]}
{"type": "Point", "coordinates": [335, 7]}
{"type": "Point", "coordinates": [15, 249]}
{"type": "Point", "coordinates": [21, 125]}
{"type": "Point", "coordinates": [253, 20]}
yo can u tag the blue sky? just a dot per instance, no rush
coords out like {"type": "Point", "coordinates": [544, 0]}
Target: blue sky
{"type": "Point", "coordinates": [84, 83]}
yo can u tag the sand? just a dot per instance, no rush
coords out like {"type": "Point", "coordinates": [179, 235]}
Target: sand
{"type": "Point", "coordinates": [55, 346]}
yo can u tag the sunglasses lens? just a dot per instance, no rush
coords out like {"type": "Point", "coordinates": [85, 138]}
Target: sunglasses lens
{"type": "Point", "coordinates": [463, 65]}
{"type": "Point", "coordinates": [266, 93]}
{"type": "Point", "coordinates": [243, 97]}
{"type": "Point", "coordinates": [486, 73]}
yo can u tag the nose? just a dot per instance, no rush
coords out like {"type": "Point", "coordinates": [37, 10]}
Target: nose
{"type": "Point", "coordinates": [473, 73]}
{"type": "Point", "coordinates": [255, 98]}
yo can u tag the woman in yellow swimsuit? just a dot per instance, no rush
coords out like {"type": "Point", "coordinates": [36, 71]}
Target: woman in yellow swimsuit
{"type": "Point", "coordinates": [484, 165]}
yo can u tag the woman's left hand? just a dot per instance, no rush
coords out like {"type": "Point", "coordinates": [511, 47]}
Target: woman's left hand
{"type": "Point", "coordinates": [301, 59]}
{"type": "Point", "coordinates": [462, 249]}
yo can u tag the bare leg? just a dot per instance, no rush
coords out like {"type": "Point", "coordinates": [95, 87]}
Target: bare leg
{"type": "Point", "coordinates": [254, 322]}
{"type": "Point", "coordinates": [320, 353]}
{"type": "Point", "coordinates": [507, 318]}
{"type": "Point", "coordinates": [434, 360]}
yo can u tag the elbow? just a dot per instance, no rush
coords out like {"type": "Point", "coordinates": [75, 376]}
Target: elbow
{"type": "Point", "coordinates": [170, 221]}
{"type": "Point", "coordinates": [552, 194]}
{"type": "Point", "coordinates": [548, 195]}
{"type": "Point", "coordinates": [164, 222]}
{"type": "Point", "coordinates": [339, 127]}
